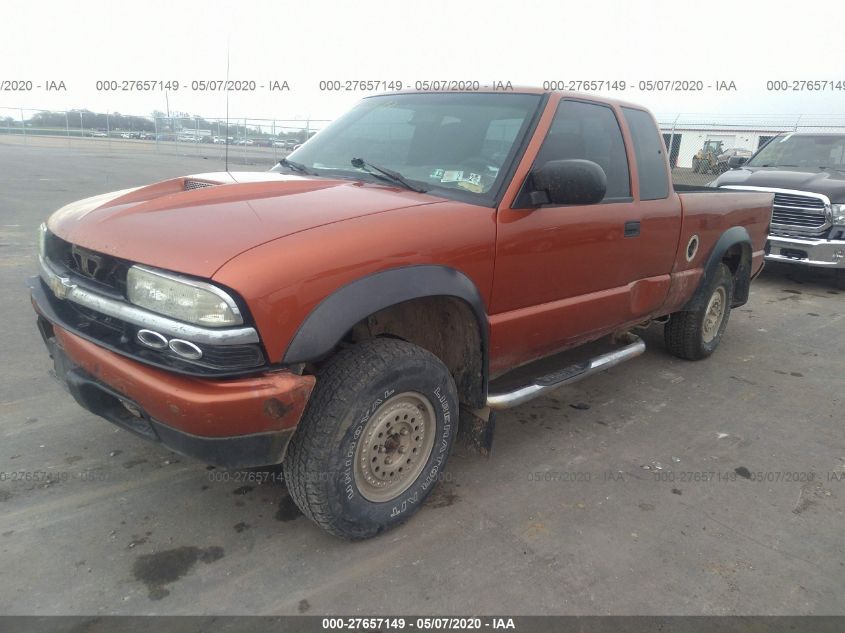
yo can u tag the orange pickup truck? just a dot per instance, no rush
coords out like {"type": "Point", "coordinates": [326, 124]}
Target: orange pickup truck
{"type": "Point", "coordinates": [428, 257]}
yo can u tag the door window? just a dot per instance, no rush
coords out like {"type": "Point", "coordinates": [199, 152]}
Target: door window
{"type": "Point", "coordinates": [589, 131]}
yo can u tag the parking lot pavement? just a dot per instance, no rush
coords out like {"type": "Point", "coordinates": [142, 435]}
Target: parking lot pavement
{"type": "Point", "coordinates": [660, 486]}
{"type": "Point", "coordinates": [114, 146]}
{"type": "Point", "coordinates": [685, 176]}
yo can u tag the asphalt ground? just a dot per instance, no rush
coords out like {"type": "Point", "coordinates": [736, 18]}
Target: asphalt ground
{"type": "Point", "coordinates": [658, 487]}
{"type": "Point", "coordinates": [235, 155]}
{"type": "Point", "coordinates": [115, 146]}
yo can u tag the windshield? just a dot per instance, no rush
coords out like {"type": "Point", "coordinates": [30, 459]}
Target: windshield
{"type": "Point", "coordinates": [455, 145]}
{"type": "Point", "coordinates": [813, 151]}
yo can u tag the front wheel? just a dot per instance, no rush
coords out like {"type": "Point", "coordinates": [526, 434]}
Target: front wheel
{"type": "Point", "coordinates": [695, 335]}
{"type": "Point", "coordinates": [374, 438]}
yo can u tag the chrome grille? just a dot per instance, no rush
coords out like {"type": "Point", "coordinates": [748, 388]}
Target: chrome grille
{"type": "Point", "coordinates": [799, 211]}
{"type": "Point", "coordinates": [796, 213]}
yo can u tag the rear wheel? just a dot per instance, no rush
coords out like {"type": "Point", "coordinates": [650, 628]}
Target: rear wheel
{"type": "Point", "coordinates": [374, 439]}
{"type": "Point", "coordinates": [695, 335]}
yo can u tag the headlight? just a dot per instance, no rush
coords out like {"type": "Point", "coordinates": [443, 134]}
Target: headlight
{"type": "Point", "coordinates": [838, 213]}
{"type": "Point", "coordinates": [181, 298]}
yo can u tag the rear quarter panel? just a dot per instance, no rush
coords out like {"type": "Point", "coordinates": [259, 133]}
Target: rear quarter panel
{"type": "Point", "coordinates": [708, 214]}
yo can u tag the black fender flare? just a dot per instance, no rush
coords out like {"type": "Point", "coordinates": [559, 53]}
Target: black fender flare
{"type": "Point", "coordinates": [730, 238]}
{"type": "Point", "coordinates": [335, 315]}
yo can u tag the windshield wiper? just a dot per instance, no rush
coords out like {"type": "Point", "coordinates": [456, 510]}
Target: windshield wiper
{"type": "Point", "coordinates": [295, 166]}
{"type": "Point", "coordinates": [386, 174]}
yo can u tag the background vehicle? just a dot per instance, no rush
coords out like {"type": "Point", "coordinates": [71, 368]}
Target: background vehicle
{"type": "Point", "coordinates": [806, 175]}
{"type": "Point", "coordinates": [706, 158]}
{"type": "Point", "coordinates": [722, 160]}
{"type": "Point", "coordinates": [425, 258]}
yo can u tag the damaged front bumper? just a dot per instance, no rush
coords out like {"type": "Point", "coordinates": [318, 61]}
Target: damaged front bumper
{"type": "Point", "coordinates": [239, 422]}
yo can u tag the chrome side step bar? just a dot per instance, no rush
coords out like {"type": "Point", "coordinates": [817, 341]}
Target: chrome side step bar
{"type": "Point", "coordinates": [634, 346]}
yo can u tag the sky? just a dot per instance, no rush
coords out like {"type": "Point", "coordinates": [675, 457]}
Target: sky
{"type": "Point", "coordinates": [748, 42]}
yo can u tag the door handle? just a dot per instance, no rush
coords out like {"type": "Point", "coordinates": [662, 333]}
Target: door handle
{"type": "Point", "coordinates": [632, 228]}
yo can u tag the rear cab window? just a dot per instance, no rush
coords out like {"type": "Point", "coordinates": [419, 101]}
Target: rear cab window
{"type": "Point", "coordinates": [648, 150]}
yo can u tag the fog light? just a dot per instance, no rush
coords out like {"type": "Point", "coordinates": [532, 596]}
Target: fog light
{"type": "Point", "coordinates": [185, 349]}
{"type": "Point", "coordinates": [152, 339]}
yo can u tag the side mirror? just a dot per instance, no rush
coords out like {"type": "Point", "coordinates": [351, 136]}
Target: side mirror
{"type": "Point", "coordinates": [573, 181]}
{"type": "Point", "coordinates": [736, 161]}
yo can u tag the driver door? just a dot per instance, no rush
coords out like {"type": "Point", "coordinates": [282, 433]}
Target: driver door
{"type": "Point", "coordinates": [567, 274]}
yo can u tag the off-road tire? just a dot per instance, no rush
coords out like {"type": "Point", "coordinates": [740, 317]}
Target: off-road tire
{"type": "Point", "coordinates": [686, 335]}
{"type": "Point", "coordinates": [353, 390]}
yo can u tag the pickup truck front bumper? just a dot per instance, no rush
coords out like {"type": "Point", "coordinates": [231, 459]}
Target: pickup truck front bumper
{"type": "Point", "coordinates": [807, 251]}
{"type": "Point", "coordinates": [234, 423]}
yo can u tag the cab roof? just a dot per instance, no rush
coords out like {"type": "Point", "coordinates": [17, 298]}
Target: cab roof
{"type": "Point", "coordinates": [562, 94]}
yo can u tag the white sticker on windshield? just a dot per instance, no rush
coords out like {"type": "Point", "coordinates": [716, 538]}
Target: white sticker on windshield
{"type": "Point", "coordinates": [452, 176]}
{"type": "Point", "coordinates": [475, 179]}
{"type": "Point", "coordinates": [437, 174]}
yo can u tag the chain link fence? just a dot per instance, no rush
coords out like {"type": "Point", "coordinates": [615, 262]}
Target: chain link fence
{"type": "Point", "coordinates": [241, 140]}
{"type": "Point", "coordinates": [699, 145]}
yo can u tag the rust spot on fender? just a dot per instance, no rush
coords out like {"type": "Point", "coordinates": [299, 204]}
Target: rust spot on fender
{"type": "Point", "coordinates": [275, 408]}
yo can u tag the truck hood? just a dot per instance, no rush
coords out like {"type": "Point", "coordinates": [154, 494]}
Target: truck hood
{"type": "Point", "coordinates": [196, 224]}
{"type": "Point", "coordinates": [829, 183]}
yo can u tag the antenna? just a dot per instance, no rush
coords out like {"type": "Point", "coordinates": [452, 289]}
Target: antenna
{"type": "Point", "coordinates": [226, 144]}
